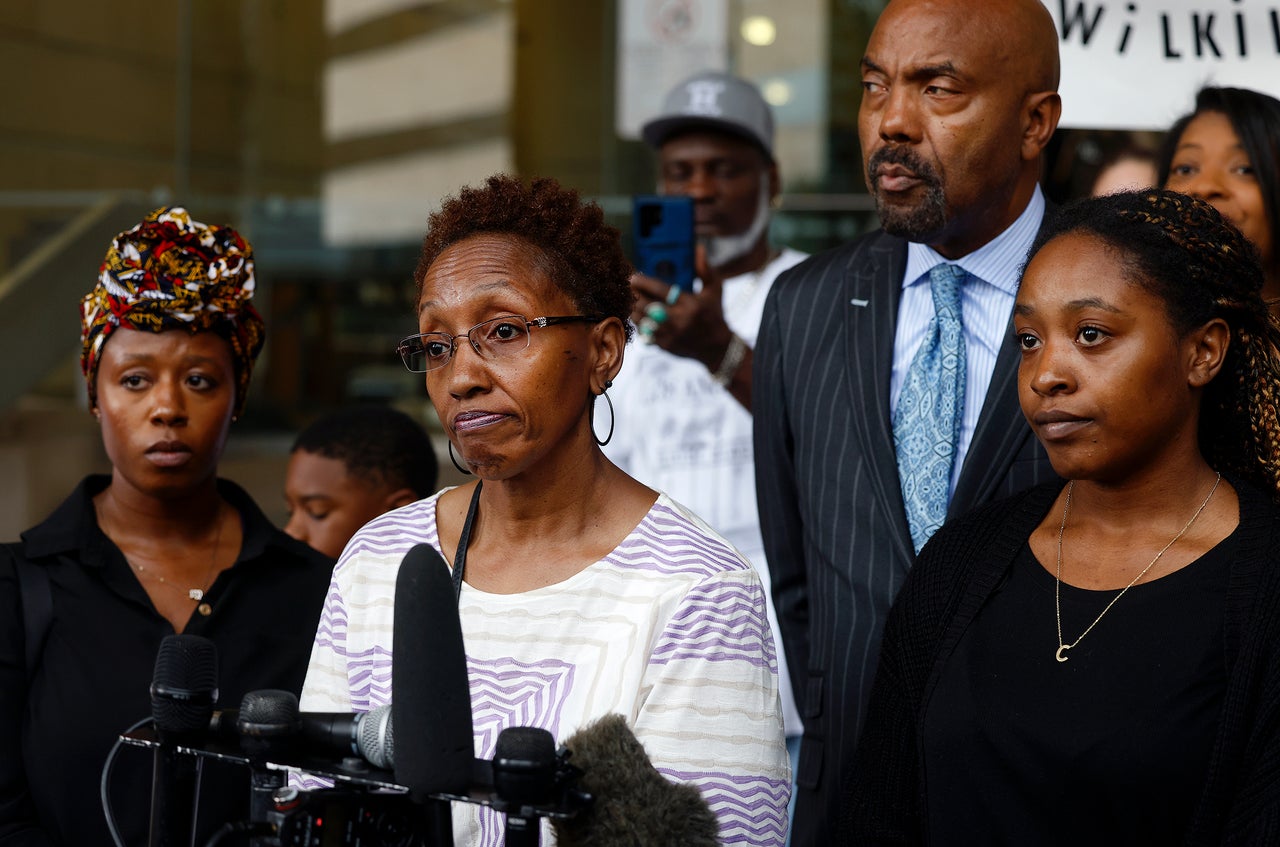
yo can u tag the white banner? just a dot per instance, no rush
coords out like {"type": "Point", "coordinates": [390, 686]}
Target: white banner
{"type": "Point", "coordinates": [1136, 64]}
{"type": "Point", "coordinates": [660, 43]}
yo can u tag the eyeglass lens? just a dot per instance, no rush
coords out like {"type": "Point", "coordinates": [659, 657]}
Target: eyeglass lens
{"type": "Point", "coordinates": [492, 339]}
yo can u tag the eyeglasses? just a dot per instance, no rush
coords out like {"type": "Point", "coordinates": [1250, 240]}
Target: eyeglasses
{"type": "Point", "coordinates": [495, 339]}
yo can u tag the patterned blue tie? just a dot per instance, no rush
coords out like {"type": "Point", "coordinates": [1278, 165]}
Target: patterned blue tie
{"type": "Point", "coordinates": [926, 424]}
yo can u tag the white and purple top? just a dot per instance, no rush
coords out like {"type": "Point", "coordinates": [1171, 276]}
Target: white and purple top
{"type": "Point", "coordinates": [668, 630]}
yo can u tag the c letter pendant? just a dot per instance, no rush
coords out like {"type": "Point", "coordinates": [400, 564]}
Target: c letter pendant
{"type": "Point", "coordinates": [1060, 654]}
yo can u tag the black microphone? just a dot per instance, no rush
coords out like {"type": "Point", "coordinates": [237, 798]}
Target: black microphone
{"type": "Point", "coordinates": [184, 688]}
{"type": "Point", "coordinates": [270, 718]}
{"type": "Point", "coordinates": [267, 723]}
{"type": "Point", "coordinates": [634, 804]}
{"type": "Point", "coordinates": [364, 734]}
{"type": "Point", "coordinates": [524, 776]}
{"type": "Point", "coordinates": [430, 695]}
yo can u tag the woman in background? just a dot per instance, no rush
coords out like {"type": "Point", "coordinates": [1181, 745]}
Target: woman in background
{"type": "Point", "coordinates": [1227, 151]}
{"type": "Point", "coordinates": [161, 545]}
{"type": "Point", "coordinates": [581, 591]}
{"type": "Point", "coordinates": [1099, 663]}
{"type": "Point", "coordinates": [1130, 169]}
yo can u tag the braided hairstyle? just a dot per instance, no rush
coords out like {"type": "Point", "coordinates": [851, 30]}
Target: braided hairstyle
{"type": "Point", "coordinates": [583, 254]}
{"type": "Point", "coordinates": [1183, 251]}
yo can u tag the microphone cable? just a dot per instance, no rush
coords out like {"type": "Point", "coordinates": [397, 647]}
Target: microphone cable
{"type": "Point", "coordinates": [103, 794]}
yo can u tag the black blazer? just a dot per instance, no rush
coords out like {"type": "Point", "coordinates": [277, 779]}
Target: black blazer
{"type": "Point", "coordinates": [835, 528]}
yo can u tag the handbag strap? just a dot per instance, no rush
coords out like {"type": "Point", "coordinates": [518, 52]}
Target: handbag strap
{"type": "Point", "coordinates": [37, 605]}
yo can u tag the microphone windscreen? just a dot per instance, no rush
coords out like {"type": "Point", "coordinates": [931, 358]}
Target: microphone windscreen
{"type": "Point", "coordinates": [184, 686]}
{"type": "Point", "coordinates": [430, 696]}
{"type": "Point", "coordinates": [634, 804]}
{"type": "Point", "coordinates": [269, 713]}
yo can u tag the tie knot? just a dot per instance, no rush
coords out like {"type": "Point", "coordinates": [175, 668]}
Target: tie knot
{"type": "Point", "coordinates": [945, 281]}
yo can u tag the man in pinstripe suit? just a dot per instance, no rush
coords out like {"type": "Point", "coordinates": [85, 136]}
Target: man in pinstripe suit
{"type": "Point", "coordinates": [960, 99]}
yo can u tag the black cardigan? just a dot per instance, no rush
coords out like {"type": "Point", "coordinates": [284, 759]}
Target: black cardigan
{"type": "Point", "coordinates": [882, 798]}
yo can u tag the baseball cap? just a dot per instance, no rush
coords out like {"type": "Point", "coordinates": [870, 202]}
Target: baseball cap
{"type": "Point", "coordinates": [717, 101]}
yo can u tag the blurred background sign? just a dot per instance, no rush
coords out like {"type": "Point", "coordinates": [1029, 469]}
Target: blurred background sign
{"type": "Point", "coordinates": [1136, 64]}
{"type": "Point", "coordinates": [661, 42]}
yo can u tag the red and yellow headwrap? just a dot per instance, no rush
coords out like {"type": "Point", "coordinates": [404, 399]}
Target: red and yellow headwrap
{"type": "Point", "coordinates": [170, 272]}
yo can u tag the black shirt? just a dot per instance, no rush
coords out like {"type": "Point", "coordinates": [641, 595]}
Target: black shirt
{"type": "Point", "coordinates": [1111, 746]}
{"type": "Point", "coordinates": [95, 670]}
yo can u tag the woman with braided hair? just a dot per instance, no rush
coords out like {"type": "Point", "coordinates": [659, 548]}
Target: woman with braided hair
{"type": "Point", "coordinates": [1098, 662]}
{"type": "Point", "coordinates": [161, 545]}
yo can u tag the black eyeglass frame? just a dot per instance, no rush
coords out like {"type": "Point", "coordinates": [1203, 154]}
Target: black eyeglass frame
{"type": "Point", "coordinates": [550, 320]}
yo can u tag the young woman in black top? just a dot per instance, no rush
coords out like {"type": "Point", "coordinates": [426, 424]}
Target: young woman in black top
{"type": "Point", "coordinates": [1099, 662]}
{"type": "Point", "coordinates": [161, 545]}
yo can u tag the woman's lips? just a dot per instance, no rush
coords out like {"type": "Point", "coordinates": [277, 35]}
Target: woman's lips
{"type": "Point", "coordinates": [169, 454]}
{"type": "Point", "coordinates": [475, 420]}
{"type": "Point", "coordinates": [1054, 426]}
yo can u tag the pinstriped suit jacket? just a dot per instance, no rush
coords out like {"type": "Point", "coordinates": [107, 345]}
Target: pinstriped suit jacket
{"type": "Point", "coordinates": [835, 529]}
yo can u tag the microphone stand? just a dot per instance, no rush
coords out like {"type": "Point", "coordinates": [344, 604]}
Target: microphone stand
{"type": "Point", "coordinates": [175, 787]}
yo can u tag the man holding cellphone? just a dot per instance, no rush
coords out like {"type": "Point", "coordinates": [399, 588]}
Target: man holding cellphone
{"type": "Point", "coordinates": [683, 399]}
{"type": "Point", "coordinates": [714, 141]}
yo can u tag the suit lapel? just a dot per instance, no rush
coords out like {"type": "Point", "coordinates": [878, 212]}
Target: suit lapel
{"type": "Point", "coordinates": [873, 288]}
{"type": "Point", "coordinates": [1001, 429]}
{"type": "Point", "coordinates": [1000, 432]}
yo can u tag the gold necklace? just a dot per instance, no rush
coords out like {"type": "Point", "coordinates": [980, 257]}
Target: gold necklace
{"type": "Point", "coordinates": [197, 593]}
{"type": "Point", "coordinates": [1063, 647]}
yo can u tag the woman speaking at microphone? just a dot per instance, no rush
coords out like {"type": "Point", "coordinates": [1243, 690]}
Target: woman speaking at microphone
{"type": "Point", "coordinates": [582, 592]}
{"type": "Point", "coordinates": [161, 545]}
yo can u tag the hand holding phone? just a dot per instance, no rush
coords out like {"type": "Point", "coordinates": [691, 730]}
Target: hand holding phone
{"type": "Point", "coordinates": [662, 227]}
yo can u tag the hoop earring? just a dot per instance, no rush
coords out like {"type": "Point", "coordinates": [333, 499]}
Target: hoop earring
{"type": "Point", "coordinates": [612, 417]}
{"type": "Point", "coordinates": [454, 459]}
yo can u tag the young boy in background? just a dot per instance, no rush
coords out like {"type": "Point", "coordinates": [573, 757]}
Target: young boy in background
{"type": "Point", "coordinates": [350, 466]}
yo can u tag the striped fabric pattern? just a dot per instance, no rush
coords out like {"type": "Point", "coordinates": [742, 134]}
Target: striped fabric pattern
{"type": "Point", "coordinates": [987, 301]}
{"type": "Point", "coordinates": [835, 528]}
{"type": "Point", "coordinates": [668, 630]}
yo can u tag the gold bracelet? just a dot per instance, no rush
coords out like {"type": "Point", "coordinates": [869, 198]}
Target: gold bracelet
{"type": "Point", "coordinates": [733, 355]}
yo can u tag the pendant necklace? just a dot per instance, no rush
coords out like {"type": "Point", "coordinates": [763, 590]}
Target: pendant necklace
{"type": "Point", "coordinates": [196, 594]}
{"type": "Point", "coordinates": [1061, 653]}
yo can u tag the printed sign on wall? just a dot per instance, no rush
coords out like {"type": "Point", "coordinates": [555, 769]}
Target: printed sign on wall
{"type": "Point", "coordinates": [1136, 64]}
{"type": "Point", "coordinates": [660, 43]}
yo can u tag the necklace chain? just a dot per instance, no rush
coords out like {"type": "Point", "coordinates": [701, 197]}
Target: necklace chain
{"type": "Point", "coordinates": [197, 593]}
{"type": "Point", "coordinates": [1063, 647]}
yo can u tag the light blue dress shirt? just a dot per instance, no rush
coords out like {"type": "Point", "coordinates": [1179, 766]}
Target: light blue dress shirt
{"type": "Point", "coordinates": [985, 303]}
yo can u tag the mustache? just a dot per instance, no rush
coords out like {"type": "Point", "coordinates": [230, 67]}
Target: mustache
{"type": "Point", "coordinates": [904, 157]}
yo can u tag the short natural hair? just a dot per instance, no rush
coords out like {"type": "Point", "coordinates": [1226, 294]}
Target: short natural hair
{"type": "Point", "coordinates": [583, 253]}
{"type": "Point", "coordinates": [1184, 252]}
{"type": "Point", "coordinates": [376, 443]}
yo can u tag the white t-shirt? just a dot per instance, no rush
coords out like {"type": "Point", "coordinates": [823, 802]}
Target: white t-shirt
{"type": "Point", "coordinates": [680, 432]}
{"type": "Point", "coordinates": [668, 630]}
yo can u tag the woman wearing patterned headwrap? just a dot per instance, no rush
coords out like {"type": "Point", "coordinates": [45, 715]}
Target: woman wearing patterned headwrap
{"type": "Point", "coordinates": [1099, 662]}
{"type": "Point", "coordinates": [161, 545]}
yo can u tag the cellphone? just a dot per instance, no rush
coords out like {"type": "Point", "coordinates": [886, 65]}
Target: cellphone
{"type": "Point", "coordinates": [662, 228]}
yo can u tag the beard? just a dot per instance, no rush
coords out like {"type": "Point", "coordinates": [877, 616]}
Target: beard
{"type": "Point", "coordinates": [723, 249]}
{"type": "Point", "coordinates": [927, 217]}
